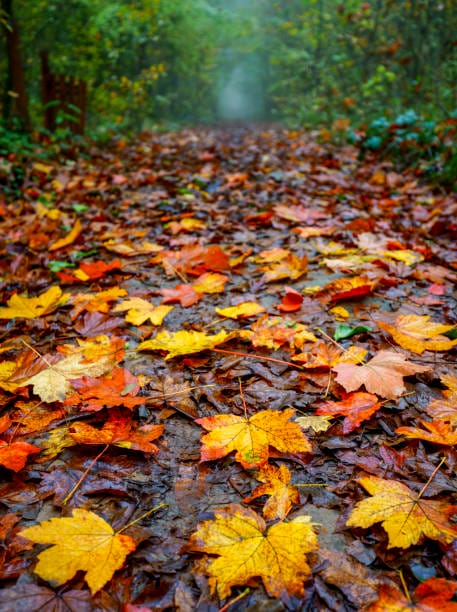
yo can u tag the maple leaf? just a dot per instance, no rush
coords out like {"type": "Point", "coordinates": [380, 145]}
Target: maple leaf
{"type": "Point", "coordinates": [433, 595]}
{"type": "Point", "coordinates": [13, 455]}
{"type": "Point", "coordinates": [418, 334]}
{"type": "Point", "coordinates": [140, 310]}
{"type": "Point", "coordinates": [7, 369]}
{"type": "Point", "coordinates": [282, 494]}
{"type": "Point", "coordinates": [404, 514]}
{"type": "Point", "coordinates": [346, 288]}
{"type": "Point", "coordinates": [183, 342]}
{"type": "Point", "coordinates": [69, 238]}
{"type": "Point", "coordinates": [382, 375]}
{"type": "Point", "coordinates": [273, 332]}
{"type": "Point", "coordinates": [324, 355]}
{"type": "Point", "coordinates": [442, 409]}
{"type": "Point", "coordinates": [240, 311]}
{"type": "Point", "coordinates": [246, 549]}
{"type": "Point", "coordinates": [210, 282]}
{"type": "Point", "coordinates": [117, 430]}
{"type": "Point", "coordinates": [316, 423]}
{"type": "Point", "coordinates": [291, 302]}
{"type": "Point", "coordinates": [251, 437]}
{"type": "Point", "coordinates": [83, 542]}
{"type": "Point", "coordinates": [439, 432]}
{"type": "Point", "coordinates": [94, 394]}
{"type": "Point", "coordinates": [194, 260]}
{"type": "Point", "coordinates": [95, 302]}
{"type": "Point", "coordinates": [34, 597]}
{"type": "Point", "coordinates": [182, 294]}
{"type": "Point", "coordinates": [30, 308]}
{"type": "Point", "coordinates": [90, 271]}
{"type": "Point", "coordinates": [53, 383]}
{"type": "Point", "coordinates": [356, 407]}
{"type": "Point", "coordinates": [289, 267]}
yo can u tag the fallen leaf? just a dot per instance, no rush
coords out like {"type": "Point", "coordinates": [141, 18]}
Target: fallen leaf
{"type": "Point", "coordinates": [241, 311]}
{"type": "Point", "coordinates": [140, 310]}
{"type": "Point", "coordinates": [356, 408]}
{"type": "Point", "coordinates": [382, 375]}
{"type": "Point", "coordinates": [83, 542]}
{"type": "Point", "coordinates": [251, 437]}
{"type": "Point", "coordinates": [246, 548]}
{"type": "Point", "coordinates": [210, 282]}
{"type": "Point", "coordinates": [14, 455]}
{"type": "Point", "coordinates": [433, 595]}
{"type": "Point", "coordinates": [282, 494]}
{"type": "Point", "coordinates": [418, 334]}
{"type": "Point", "coordinates": [439, 432]}
{"type": "Point", "coordinates": [181, 294]}
{"type": "Point", "coordinates": [403, 514]}
{"type": "Point", "coordinates": [69, 238]}
{"type": "Point", "coordinates": [290, 266]}
{"type": "Point", "coordinates": [30, 308]}
{"type": "Point", "coordinates": [324, 355]}
{"type": "Point", "coordinates": [117, 389]}
{"type": "Point", "coordinates": [95, 302]}
{"type": "Point", "coordinates": [291, 302]}
{"type": "Point", "coordinates": [183, 342]}
{"type": "Point", "coordinates": [316, 423]}
{"type": "Point", "coordinates": [34, 597]}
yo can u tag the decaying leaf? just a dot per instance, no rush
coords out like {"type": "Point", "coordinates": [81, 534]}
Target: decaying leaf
{"type": "Point", "coordinates": [83, 542]}
{"type": "Point", "coordinates": [20, 306]}
{"type": "Point", "coordinates": [183, 342]}
{"type": "Point", "coordinates": [433, 595]}
{"type": "Point", "coordinates": [246, 549]}
{"type": "Point", "coordinates": [382, 375]}
{"type": "Point", "coordinates": [276, 485]}
{"type": "Point", "coordinates": [251, 437]}
{"type": "Point", "coordinates": [405, 516]}
{"type": "Point", "coordinates": [418, 334]}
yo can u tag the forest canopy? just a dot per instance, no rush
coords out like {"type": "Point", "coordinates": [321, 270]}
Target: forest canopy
{"type": "Point", "coordinates": [195, 61]}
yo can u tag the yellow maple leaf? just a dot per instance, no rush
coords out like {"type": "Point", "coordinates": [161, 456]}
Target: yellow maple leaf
{"type": "Point", "coordinates": [183, 342]}
{"type": "Point", "coordinates": [290, 267]}
{"type": "Point", "coordinates": [240, 311]}
{"type": "Point", "coordinates": [404, 515]}
{"type": "Point", "coordinates": [7, 369]}
{"type": "Point", "coordinates": [210, 282]}
{"type": "Point", "coordinates": [316, 423]}
{"type": "Point", "coordinates": [140, 310]}
{"type": "Point", "coordinates": [282, 494]}
{"type": "Point", "coordinates": [30, 308]}
{"type": "Point", "coordinates": [95, 302]}
{"type": "Point", "coordinates": [82, 542]}
{"type": "Point", "coordinates": [69, 238]}
{"type": "Point", "coordinates": [252, 436]}
{"type": "Point", "coordinates": [246, 549]}
{"type": "Point", "coordinates": [418, 334]}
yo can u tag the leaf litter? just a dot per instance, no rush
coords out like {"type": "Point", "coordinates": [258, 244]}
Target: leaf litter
{"type": "Point", "coordinates": [306, 322]}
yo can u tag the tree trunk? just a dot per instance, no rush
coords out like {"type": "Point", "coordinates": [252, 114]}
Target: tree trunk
{"type": "Point", "coordinates": [15, 104]}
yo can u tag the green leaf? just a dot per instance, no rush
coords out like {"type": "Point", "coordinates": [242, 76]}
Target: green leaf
{"type": "Point", "coordinates": [57, 266]}
{"type": "Point", "coordinates": [346, 331]}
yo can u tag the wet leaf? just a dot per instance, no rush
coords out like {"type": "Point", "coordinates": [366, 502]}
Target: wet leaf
{"type": "Point", "coordinates": [183, 342]}
{"type": "Point", "coordinates": [439, 432]}
{"type": "Point", "coordinates": [356, 408]}
{"type": "Point", "coordinates": [418, 334]}
{"type": "Point", "coordinates": [433, 595]}
{"type": "Point", "coordinates": [29, 308]}
{"type": "Point", "coordinates": [277, 486]}
{"type": "Point", "coordinates": [140, 310]}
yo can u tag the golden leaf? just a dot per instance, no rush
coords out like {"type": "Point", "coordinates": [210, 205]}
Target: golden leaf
{"type": "Point", "coordinates": [69, 238]}
{"type": "Point", "coordinates": [251, 437]}
{"type": "Point", "coordinates": [316, 423]}
{"type": "Point", "coordinates": [246, 549]}
{"type": "Point", "coordinates": [30, 308]}
{"type": "Point", "coordinates": [82, 542]}
{"type": "Point", "coordinates": [140, 310]}
{"type": "Point", "coordinates": [183, 342]}
{"type": "Point", "coordinates": [405, 516]}
{"type": "Point", "coordinates": [418, 334]}
{"type": "Point", "coordinates": [240, 311]}
{"type": "Point", "coordinates": [282, 494]}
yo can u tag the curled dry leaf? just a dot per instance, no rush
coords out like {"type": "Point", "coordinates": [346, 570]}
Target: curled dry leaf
{"type": "Point", "coordinates": [246, 548]}
{"type": "Point", "coordinates": [83, 542]}
{"type": "Point", "coordinates": [382, 375]}
{"type": "Point", "coordinates": [405, 516]}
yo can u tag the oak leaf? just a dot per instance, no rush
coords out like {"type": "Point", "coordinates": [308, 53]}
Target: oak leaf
{"type": "Point", "coordinates": [117, 389]}
{"type": "Point", "coordinates": [30, 308]}
{"type": "Point", "coordinates": [140, 310]}
{"type": "Point", "coordinates": [404, 514]}
{"type": "Point", "coordinates": [183, 342]}
{"type": "Point", "coordinates": [439, 432]}
{"type": "Point", "coordinates": [356, 408]}
{"type": "Point", "coordinates": [83, 542]}
{"type": "Point", "coordinates": [382, 375]}
{"type": "Point", "coordinates": [241, 311]}
{"type": "Point", "coordinates": [433, 595]}
{"type": "Point", "coordinates": [418, 334]}
{"type": "Point", "coordinates": [252, 436]}
{"type": "Point", "coordinates": [276, 485]}
{"type": "Point", "coordinates": [246, 549]}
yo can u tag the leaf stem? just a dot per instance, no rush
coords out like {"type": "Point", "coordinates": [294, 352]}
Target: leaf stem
{"type": "Point", "coordinates": [140, 518]}
{"type": "Point", "coordinates": [432, 476]}
{"type": "Point", "coordinates": [261, 357]}
{"type": "Point", "coordinates": [235, 600]}
{"type": "Point", "coordinates": [83, 476]}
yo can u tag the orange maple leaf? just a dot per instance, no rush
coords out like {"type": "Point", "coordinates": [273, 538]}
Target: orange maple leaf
{"type": "Point", "coordinates": [251, 437]}
{"type": "Point", "coordinates": [356, 407]}
{"type": "Point", "coordinates": [324, 355]}
{"type": "Point", "coordinates": [439, 432]}
{"type": "Point", "coordinates": [433, 595]}
{"type": "Point", "coordinates": [117, 430]}
{"type": "Point", "coordinates": [282, 494]}
{"type": "Point", "coordinates": [346, 289]}
{"type": "Point", "coordinates": [193, 260]}
{"type": "Point", "coordinates": [418, 334]}
{"type": "Point", "coordinates": [246, 548]}
{"type": "Point", "coordinates": [182, 294]}
{"type": "Point", "coordinates": [82, 542]}
{"type": "Point", "coordinates": [382, 375]}
{"type": "Point", "coordinates": [442, 409]}
{"type": "Point", "coordinates": [404, 514]}
{"type": "Point", "coordinates": [117, 389]}
{"type": "Point", "coordinates": [13, 455]}
{"type": "Point", "coordinates": [90, 271]}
